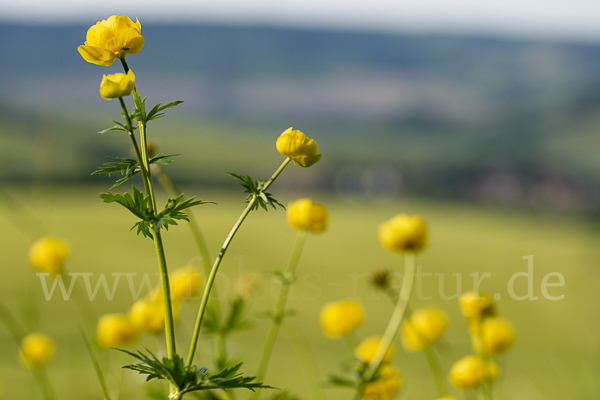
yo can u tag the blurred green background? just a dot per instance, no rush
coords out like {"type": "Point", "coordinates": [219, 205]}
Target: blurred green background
{"type": "Point", "coordinates": [493, 141]}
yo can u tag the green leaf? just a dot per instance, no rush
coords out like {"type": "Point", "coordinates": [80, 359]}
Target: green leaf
{"type": "Point", "coordinates": [155, 113]}
{"type": "Point", "coordinates": [118, 127]}
{"type": "Point", "coordinates": [173, 211]}
{"type": "Point", "coordinates": [256, 190]}
{"type": "Point", "coordinates": [128, 167]}
{"type": "Point", "coordinates": [137, 204]}
{"type": "Point", "coordinates": [139, 114]}
{"type": "Point", "coordinates": [340, 381]}
{"type": "Point", "coordinates": [188, 379]}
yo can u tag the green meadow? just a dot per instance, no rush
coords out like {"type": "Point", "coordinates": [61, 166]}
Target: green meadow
{"type": "Point", "coordinates": [542, 268]}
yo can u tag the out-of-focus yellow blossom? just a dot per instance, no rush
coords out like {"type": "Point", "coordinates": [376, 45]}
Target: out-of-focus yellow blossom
{"type": "Point", "coordinates": [403, 233]}
{"type": "Point", "coordinates": [147, 315]}
{"type": "Point", "coordinates": [447, 398]}
{"type": "Point", "coordinates": [472, 371]}
{"type": "Point", "coordinates": [49, 254]}
{"type": "Point", "coordinates": [475, 306]}
{"type": "Point", "coordinates": [423, 328]}
{"type": "Point", "coordinates": [248, 286]}
{"type": "Point", "coordinates": [305, 215]}
{"type": "Point", "coordinates": [112, 38]}
{"type": "Point", "coordinates": [367, 349]}
{"type": "Point", "coordinates": [341, 317]}
{"type": "Point", "coordinates": [36, 349]}
{"type": "Point", "coordinates": [185, 282]}
{"type": "Point", "coordinates": [295, 145]}
{"type": "Point", "coordinates": [117, 85]}
{"type": "Point", "coordinates": [496, 335]}
{"type": "Point", "coordinates": [115, 330]}
{"type": "Point", "coordinates": [385, 387]}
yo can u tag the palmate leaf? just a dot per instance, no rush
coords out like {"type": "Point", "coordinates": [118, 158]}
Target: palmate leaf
{"type": "Point", "coordinates": [128, 167]}
{"type": "Point", "coordinates": [256, 190]}
{"type": "Point", "coordinates": [173, 211]}
{"type": "Point", "coordinates": [188, 379]}
{"type": "Point", "coordinates": [137, 204]}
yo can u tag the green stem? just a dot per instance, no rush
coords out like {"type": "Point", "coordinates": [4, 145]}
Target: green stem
{"type": "Point", "coordinates": [42, 377]}
{"type": "Point", "coordinates": [307, 361]}
{"type": "Point", "coordinates": [96, 364]}
{"type": "Point", "coordinates": [436, 370]}
{"type": "Point", "coordinates": [397, 315]}
{"type": "Point", "coordinates": [213, 273]}
{"type": "Point", "coordinates": [164, 285]}
{"type": "Point", "coordinates": [279, 312]}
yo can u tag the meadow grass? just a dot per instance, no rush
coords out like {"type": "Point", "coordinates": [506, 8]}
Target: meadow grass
{"type": "Point", "coordinates": [555, 355]}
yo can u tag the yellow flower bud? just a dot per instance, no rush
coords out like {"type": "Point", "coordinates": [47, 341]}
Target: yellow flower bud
{"type": "Point", "coordinates": [295, 145]}
{"type": "Point", "coordinates": [305, 215]}
{"type": "Point", "coordinates": [341, 317]}
{"type": "Point", "coordinates": [447, 398]}
{"type": "Point", "coordinates": [110, 39]}
{"type": "Point", "coordinates": [423, 328]}
{"type": "Point", "coordinates": [147, 315]}
{"type": "Point", "coordinates": [385, 387]}
{"type": "Point", "coordinates": [117, 85]}
{"type": "Point", "coordinates": [36, 350]}
{"type": "Point", "coordinates": [496, 335]}
{"type": "Point", "coordinates": [115, 330]}
{"type": "Point", "coordinates": [185, 282]}
{"type": "Point", "coordinates": [475, 306]}
{"type": "Point", "coordinates": [403, 233]}
{"type": "Point", "coordinates": [472, 371]}
{"type": "Point", "coordinates": [48, 254]}
{"type": "Point", "coordinates": [367, 349]}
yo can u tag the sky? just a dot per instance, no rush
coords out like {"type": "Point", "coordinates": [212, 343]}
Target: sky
{"type": "Point", "coordinates": [546, 19]}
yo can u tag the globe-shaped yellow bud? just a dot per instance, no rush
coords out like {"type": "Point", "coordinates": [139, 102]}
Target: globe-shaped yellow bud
{"type": "Point", "coordinates": [496, 335]}
{"type": "Point", "coordinates": [423, 328]}
{"type": "Point", "coordinates": [117, 85]}
{"type": "Point", "coordinates": [471, 371]}
{"type": "Point", "coordinates": [367, 349]}
{"type": "Point", "coordinates": [341, 317]}
{"type": "Point", "coordinates": [147, 315]}
{"type": "Point", "coordinates": [185, 282]}
{"type": "Point", "coordinates": [403, 233]}
{"type": "Point", "coordinates": [294, 144]}
{"type": "Point", "coordinates": [49, 254]}
{"type": "Point", "coordinates": [475, 306]}
{"type": "Point", "coordinates": [305, 215]}
{"type": "Point", "coordinates": [385, 387]}
{"type": "Point", "coordinates": [36, 350]}
{"type": "Point", "coordinates": [115, 330]}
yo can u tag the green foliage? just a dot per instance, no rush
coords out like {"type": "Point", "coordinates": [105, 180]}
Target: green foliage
{"type": "Point", "coordinates": [118, 127]}
{"type": "Point", "coordinates": [141, 206]}
{"type": "Point", "coordinates": [256, 188]}
{"type": "Point", "coordinates": [139, 113]}
{"type": "Point", "coordinates": [234, 321]}
{"type": "Point", "coordinates": [188, 379]}
{"type": "Point", "coordinates": [128, 167]}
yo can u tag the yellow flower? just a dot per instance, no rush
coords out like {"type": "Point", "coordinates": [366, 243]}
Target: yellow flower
{"type": "Point", "coordinates": [115, 330]}
{"type": "Point", "coordinates": [367, 349]}
{"type": "Point", "coordinates": [48, 254]}
{"type": "Point", "coordinates": [112, 38]}
{"type": "Point", "coordinates": [147, 315]}
{"type": "Point", "coordinates": [305, 215]}
{"type": "Point", "coordinates": [341, 317]}
{"type": "Point", "coordinates": [403, 233]}
{"type": "Point", "coordinates": [496, 335]}
{"type": "Point", "coordinates": [36, 350]}
{"type": "Point", "coordinates": [117, 85]}
{"type": "Point", "coordinates": [475, 306]}
{"type": "Point", "coordinates": [185, 282]}
{"type": "Point", "coordinates": [423, 328]}
{"type": "Point", "coordinates": [447, 398]}
{"type": "Point", "coordinates": [295, 145]}
{"type": "Point", "coordinates": [385, 387]}
{"type": "Point", "coordinates": [472, 371]}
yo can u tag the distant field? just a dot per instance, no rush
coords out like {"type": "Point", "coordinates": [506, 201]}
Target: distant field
{"type": "Point", "coordinates": [555, 356]}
